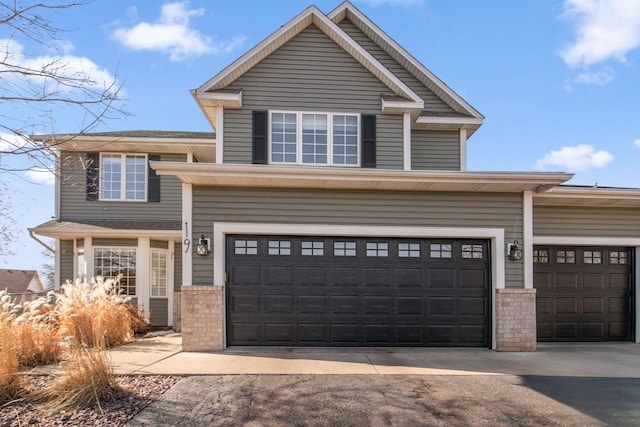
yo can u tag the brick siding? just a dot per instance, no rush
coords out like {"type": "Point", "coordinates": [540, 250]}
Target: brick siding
{"type": "Point", "coordinates": [516, 320]}
{"type": "Point", "coordinates": [202, 318]}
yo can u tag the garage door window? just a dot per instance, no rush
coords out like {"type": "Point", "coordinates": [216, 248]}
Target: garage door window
{"type": "Point", "coordinates": [409, 250]}
{"type": "Point", "coordinates": [472, 251]}
{"type": "Point", "coordinates": [566, 257]}
{"type": "Point", "coordinates": [618, 257]}
{"type": "Point", "coordinates": [441, 250]}
{"type": "Point", "coordinates": [592, 257]}
{"type": "Point", "coordinates": [377, 249]}
{"type": "Point", "coordinates": [279, 247]}
{"type": "Point", "coordinates": [540, 256]}
{"type": "Point", "coordinates": [246, 247]}
{"type": "Point", "coordinates": [312, 249]}
{"type": "Point", "coordinates": [344, 248]}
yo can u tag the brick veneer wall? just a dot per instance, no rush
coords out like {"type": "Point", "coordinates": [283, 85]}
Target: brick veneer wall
{"type": "Point", "coordinates": [516, 320]}
{"type": "Point", "coordinates": [177, 308]}
{"type": "Point", "coordinates": [202, 318]}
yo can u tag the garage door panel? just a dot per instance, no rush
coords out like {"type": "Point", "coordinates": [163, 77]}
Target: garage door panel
{"type": "Point", "coordinates": [473, 279]}
{"type": "Point", "coordinates": [586, 300]}
{"type": "Point", "coordinates": [593, 281]}
{"type": "Point", "coordinates": [278, 275]}
{"type": "Point", "coordinates": [411, 293]}
{"type": "Point", "coordinates": [409, 277]}
{"type": "Point", "coordinates": [279, 304]}
{"type": "Point", "coordinates": [566, 281]}
{"type": "Point", "coordinates": [311, 304]}
{"type": "Point", "coordinates": [441, 278]}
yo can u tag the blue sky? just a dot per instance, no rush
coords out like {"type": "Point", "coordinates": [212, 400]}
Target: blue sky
{"type": "Point", "coordinates": [557, 80]}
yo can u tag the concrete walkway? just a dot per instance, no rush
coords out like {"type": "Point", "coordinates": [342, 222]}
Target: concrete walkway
{"type": "Point", "coordinates": [163, 355]}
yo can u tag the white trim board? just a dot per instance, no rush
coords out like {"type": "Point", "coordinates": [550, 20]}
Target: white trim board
{"type": "Point", "coordinates": [586, 241]}
{"type": "Point", "coordinates": [495, 235]}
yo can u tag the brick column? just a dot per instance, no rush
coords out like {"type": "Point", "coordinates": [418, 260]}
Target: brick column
{"type": "Point", "coordinates": [516, 320]}
{"type": "Point", "coordinates": [202, 318]}
{"type": "Point", "coordinates": [177, 308]}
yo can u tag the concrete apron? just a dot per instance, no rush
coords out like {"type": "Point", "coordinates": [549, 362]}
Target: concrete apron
{"type": "Point", "coordinates": [163, 355]}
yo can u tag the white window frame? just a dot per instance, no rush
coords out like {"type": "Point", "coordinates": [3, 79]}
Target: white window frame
{"type": "Point", "coordinates": [123, 249]}
{"type": "Point", "coordinates": [152, 276]}
{"type": "Point", "coordinates": [330, 116]}
{"type": "Point", "coordinates": [123, 182]}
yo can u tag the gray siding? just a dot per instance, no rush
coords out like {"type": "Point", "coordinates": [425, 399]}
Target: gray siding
{"type": "Point", "coordinates": [356, 208]}
{"type": "Point", "coordinates": [432, 103]}
{"type": "Point", "coordinates": [159, 311]}
{"type": "Point", "coordinates": [308, 73]}
{"type": "Point", "coordinates": [177, 268]}
{"type": "Point", "coordinates": [66, 261]}
{"type": "Point", "coordinates": [586, 221]}
{"type": "Point", "coordinates": [115, 242]}
{"type": "Point", "coordinates": [389, 143]}
{"type": "Point", "coordinates": [74, 206]}
{"type": "Point", "coordinates": [159, 244]}
{"type": "Point", "coordinates": [435, 150]}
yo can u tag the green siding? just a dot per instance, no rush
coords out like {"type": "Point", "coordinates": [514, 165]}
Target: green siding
{"type": "Point", "coordinates": [308, 73]}
{"type": "Point", "coordinates": [435, 150]}
{"type": "Point", "coordinates": [432, 103]}
{"type": "Point", "coordinates": [499, 210]}
{"type": "Point", "coordinates": [74, 206]}
{"type": "Point", "coordinates": [177, 268]}
{"type": "Point", "coordinates": [586, 221]}
{"type": "Point", "coordinates": [66, 261]}
{"type": "Point", "coordinates": [115, 242]}
{"type": "Point", "coordinates": [159, 244]}
{"type": "Point", "coordinates": [159, 311]}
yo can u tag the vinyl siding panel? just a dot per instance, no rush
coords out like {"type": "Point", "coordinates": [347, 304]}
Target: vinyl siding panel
{"type": "Point", "coordinates": [177, 268]}
{"type": "Point", "coordinates": [432, 103]}
{"type": "Point", "coordinates": [159, 308]}
{"type": "Point", "coordinates": [435, 150]}
{"type": "Point", "coordinates": [66, 261]}
{"type": "Point", "coordinates": [356, 208]}
{"type": "Point", "coordinates": [389, 147]}
{"type": "Point", "coordinates": [74, 206]}
{"type": "Point", "coordinates": [124, 243]}
{"type": "Point", "coordinates": [308, 73]}
{"type": "Point", "coordinates": [159, 244]}
{"type": "Point", "coordinates": [586, 221]}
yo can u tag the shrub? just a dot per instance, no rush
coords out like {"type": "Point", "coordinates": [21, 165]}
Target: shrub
{"type": "Point", "coordinates": [139, 318]}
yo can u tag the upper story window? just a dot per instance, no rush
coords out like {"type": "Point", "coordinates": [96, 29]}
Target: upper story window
{"type": "Point", "coordinates": [314, 138]}
{"type": "Point", "coordinates": [123, 177]}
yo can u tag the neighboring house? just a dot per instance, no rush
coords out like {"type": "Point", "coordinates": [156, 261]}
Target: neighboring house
{"type": "Point", "coordinates": [333, 207]}
{"type": "Point", "coordinates": [23, 285]}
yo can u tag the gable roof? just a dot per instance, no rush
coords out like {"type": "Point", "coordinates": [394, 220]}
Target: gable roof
{"type": "Point", "coordinates": [310, 15]}
{"type": "Point", "coordinates": [348, 11]}
{"type": "Point", "coordinates": [18, 281]}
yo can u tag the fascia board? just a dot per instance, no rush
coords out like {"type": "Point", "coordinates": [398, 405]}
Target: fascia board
{"type": "Point", "coordinates": [450, 120]}
{"type": "Point", "coordinates": [290, 30]}
{"type": "Point", "coordinates": [347, 10]}
{"type": "Point", "coordinates": [71, 234]}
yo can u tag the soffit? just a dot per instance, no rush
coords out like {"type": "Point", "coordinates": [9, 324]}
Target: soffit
{"type": "Point", "coordinates": [589, 197]}
{"type": "Point", "coordinates": [168, 230]}
{"type": "Point", "coordinates": [336, 178]}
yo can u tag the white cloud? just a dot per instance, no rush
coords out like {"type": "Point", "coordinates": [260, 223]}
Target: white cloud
{"type": "Point", "coordinates": [41, 176]}
{"type": "Point", "coordinates": [578, 157]}
{"type": "Point", "coordinates": [64, 65]}
{"type": "Point", "coordinates": [375, 3]}
{"type": "Point", "coordinates": [637, 143]}
{"type": "Point", "coordinates": [11, 142]}
{"type": "Point", "coordinates": [172, 33]}
{"type": "Point", "coordinates": [605, 29]}
{"type": "Point", "coordinates": [597, 78]}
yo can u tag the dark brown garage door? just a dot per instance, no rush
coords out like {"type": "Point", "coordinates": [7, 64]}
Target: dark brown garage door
{"type": "Point", "coordinates": [583, 293]}
{"type": "Point", "coordinates": [308, 291]}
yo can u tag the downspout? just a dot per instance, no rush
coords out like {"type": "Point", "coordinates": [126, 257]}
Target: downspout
{"type": "Point", "coordinates": [47, 247]}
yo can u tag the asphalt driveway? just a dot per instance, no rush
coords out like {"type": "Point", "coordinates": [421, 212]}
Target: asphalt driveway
{"type": "Point", "coordinates": [394, 400]}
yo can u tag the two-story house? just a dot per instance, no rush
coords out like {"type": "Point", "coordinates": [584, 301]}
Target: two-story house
{"type": "Point", "coordinates": [333, 207]}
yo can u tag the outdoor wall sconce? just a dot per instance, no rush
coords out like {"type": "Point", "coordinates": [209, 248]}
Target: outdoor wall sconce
{"type": "Point", "coordinates": [202, 248]}
{"type": "Point", "coordinates": [514, 251]}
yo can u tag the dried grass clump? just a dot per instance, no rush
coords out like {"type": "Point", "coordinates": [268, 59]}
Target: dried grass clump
{"type": "Point", "coordinates": [139, 318]}
{"type": "Point", "coordinates": [93, 314]}
{"type": "Point", "coordinates": [88, 378]}
{"type": "Point", "coordinates": [10, 380]}
{"type": "Point", "coordinates": [37, 335]}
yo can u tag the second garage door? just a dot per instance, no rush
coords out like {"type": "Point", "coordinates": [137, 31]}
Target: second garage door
{"type": "Point", "coordinates": [337, 291]}
{"type": "Point", "coordinates": [583, 293]}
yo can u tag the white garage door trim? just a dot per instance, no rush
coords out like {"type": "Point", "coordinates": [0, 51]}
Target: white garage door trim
{"type": "Point", "coordinates": [602, 241]}
{"type": "Point", "coordinates": [495, 235]}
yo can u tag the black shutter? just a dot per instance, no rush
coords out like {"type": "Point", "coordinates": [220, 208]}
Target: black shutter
{"type": "Point", "coordinates": [153, 180]}
{"type": "Point", "coordinates": [259, 141]}
{"type": "Point", "coordinates": [93, 174]}
{"type": "Point", "coordinates": [368, 141]}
